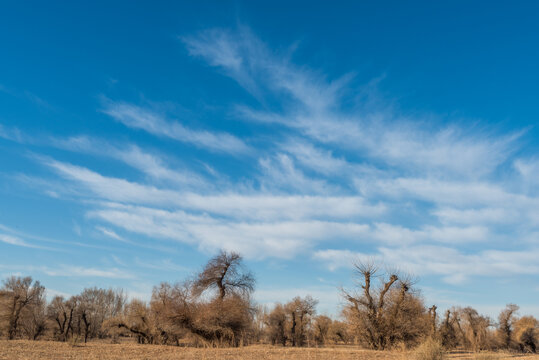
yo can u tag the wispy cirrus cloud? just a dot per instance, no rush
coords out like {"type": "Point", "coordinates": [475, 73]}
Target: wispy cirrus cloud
{"type": "Point", "coordinates": [148, 163]}
{"type": "Point", "coordinates": [113, 188]}
{"type": "Point", "coordinates": [13, 240]}
{"type": "Point", "coordinates": [110, 233]}
{"type": "Point", "coordinates": [79, 271]}
{"type": "Point", "coordinates": [255, 239]}
{"type": "Point", "coordinates": [257, 205]}
{"type": "Point", "coordinates": [145, 119]}
{"type": "Point", "coordinates": [313, 108]}
{"type": "Point", "coordinates": [453, 265]}
{"type": "Point", "coordinates": [320, 160]}
{"type": "Point", "coordinates": [64, 270]}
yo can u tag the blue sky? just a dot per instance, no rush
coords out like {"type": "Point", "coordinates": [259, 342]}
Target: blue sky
{"type": "Point", "coordinates": [138, 138]}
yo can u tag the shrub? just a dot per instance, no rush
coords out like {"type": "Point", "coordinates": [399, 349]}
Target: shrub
{"type": "Point", "coordinates": [429, 350]}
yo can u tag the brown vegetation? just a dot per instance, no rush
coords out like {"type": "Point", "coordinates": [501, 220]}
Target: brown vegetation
{"type": "Point", "coordinates": [214, 309]}
{"type": "Point", "coordinates": [387, 313]}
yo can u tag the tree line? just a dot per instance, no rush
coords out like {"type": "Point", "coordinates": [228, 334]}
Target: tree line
{"type": "Point", "coordinates": [215, 308]}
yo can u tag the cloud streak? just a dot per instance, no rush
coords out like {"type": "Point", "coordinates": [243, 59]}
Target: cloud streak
{"type": "Point", "coordinates": [145, 119]}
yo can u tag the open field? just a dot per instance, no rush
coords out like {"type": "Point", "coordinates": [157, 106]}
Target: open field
{"type": "Point", "coordinates": [26, 350]}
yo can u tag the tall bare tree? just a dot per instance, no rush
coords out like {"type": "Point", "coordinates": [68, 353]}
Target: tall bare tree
{"type": "Point", "coordinates": [33, 320]}
{"type": "Point", "coordinates": [276, 325]}
{"type": "Point", "coordinates": [526, 334]}
{"type": "Point", "coordinates": [19, 295]}
{"type": "Point", "coordinates": [322, 326]}
{"type": "Point", "coordinates": [475, 328]}
{"type": "Point", "coordinates": [95, 306]}
{"type": "Point", "coordinates": [225, 273]}
{"type": "Point", "coordinates": [448, 332]}
{"type": "Point", "coordinates": [384, 312]}
{"type": "Point", "coordinates": [505, 325]}
{"type": "Point", "coordinates": [61, 313]}
{"type": "Point", "coordinates": [300, 311]}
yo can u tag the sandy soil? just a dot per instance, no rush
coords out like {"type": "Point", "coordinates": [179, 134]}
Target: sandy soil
{"type": "Point", "coordinates": [20, 349]}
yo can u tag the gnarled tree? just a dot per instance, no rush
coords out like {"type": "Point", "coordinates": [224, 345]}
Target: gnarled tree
{"type": "Point", "coordinates": [384, 310]}
{"type": "Point", "coordinates": [300, 312]}
{"type": "Point", "coordinates": [61, 313]}
{"type": "Point", "coordinates": [526, 334]}
{"type": "Point", "coordinates": [181, 312]}
{"type": "Point", "coordinates": [276, 325]}
{"type": "Point", "coordinates": [19, 297]}
{"type": "Point", "coordinates": [95, 306]}
{"type": "Point", "coordinates": [225, 273]}
{"type": "Point", "coordinates": [321, 327]}
{"type": "Point", "coordinates": [505, 325]}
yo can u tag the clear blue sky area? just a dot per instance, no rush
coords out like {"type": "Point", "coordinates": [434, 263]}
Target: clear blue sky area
{"type": "Point", "coordinates": [139, 138]}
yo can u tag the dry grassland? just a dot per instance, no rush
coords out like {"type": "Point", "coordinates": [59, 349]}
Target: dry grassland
{"type": "Point", "coordinates": [26, 350]}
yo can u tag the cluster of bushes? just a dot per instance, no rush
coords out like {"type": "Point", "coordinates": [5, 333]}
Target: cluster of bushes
{"type": "Point", "coordinates": [387, 312]}
{"type": "Point", "coordinates": [215, 308]}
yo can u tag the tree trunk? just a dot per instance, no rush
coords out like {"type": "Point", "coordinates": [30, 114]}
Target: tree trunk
{"type": "Point", "coordinates": [294, 328]}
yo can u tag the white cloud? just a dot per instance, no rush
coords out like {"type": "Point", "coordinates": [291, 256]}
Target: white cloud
{"type": "Point", "coordinates": [335, 259]}
{"type": "Point", "coordinates": [114, 188]}
{"type": "Point", "coordinates": [134, 156]}
{"type": "Point", "coordinates": [443, 192]}
{"type": "Point", "coordinates": [487, 215]}
{"type": "Point", "coordinates": [280, 172]}
{"type": "Point", "coordinates": [528, 168]}
{"type": "Point", "coordinates": [282, 239]}
{"type": "Point", "coordinates": [164, 264]}
{"type": "Point", "coordinates": [400, 235]}
{"type": "Point", "coordinates": [268, 207]}
{"type": "Point", "coordinates": [453, 150]}
{"type": "Point", "coordinates": [401, 142]}
{"type": "Point", "coordinates": [452, 265]}
{"type": "Point", "coordinates": [319, 160]}
{"type": "Point", "coordinates": [140, 118]}
{"type": "Point", "coordinates": [110, 233]}
{"type": "Point", "coordinates": [13, 240]}
{"type": "Point", "coordinates": [79, 271]}
{"type": "Point", "coordinates": [12, 134]}
{"type": "Point", "coordinates": [65, 270]}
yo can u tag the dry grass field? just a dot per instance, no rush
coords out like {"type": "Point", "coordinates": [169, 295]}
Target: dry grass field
{"type": "Point", "coordinates": [25, 350]}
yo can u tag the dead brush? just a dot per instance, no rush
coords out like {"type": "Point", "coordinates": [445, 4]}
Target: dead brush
{"type": "Point", "coordinates": [429, 350]}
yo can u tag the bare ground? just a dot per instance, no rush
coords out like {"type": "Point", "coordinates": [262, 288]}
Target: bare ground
{"type": "Point", "coordinates": [25, 350]}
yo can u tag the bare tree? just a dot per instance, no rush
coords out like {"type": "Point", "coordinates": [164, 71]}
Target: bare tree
{"type": "Point", "coordinates": [300, 311]}
{"type": "Point", "coordinates": [61, 312]}
{"type": "Point", "coordinates": [322, 325]}
{"type": "Point", "coordinates": [261, 313]}
{"type": "Point", "coordinates": [386, 312]}
{"type": "Point", "coordinates": [33, 320]}
{"type": "Point", "coordinates": [179, 312]}
{"type": "Point", "coordinates": [95, 306]}
{"type": "Point", "coordinates": [433, 320]}
{"type": "Point", "coordinates": [526, 334]}
{"type": "Point", "coordinates": [276, 322]}
{"type": "Point", "coordinates": [448, 334]}
{"type": "Point", "coordinates": [19, 295]}
{"type": "Point", "coordinates": [339, 332]}
{"type": "Point", "coordinates": [474, 327]}
{"type": "Point", "coordinates": [505, 325]}
{"type": "Point", "coordinates": [138, 320]}
{"type": "Point", "coordinates": [225, 273]}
